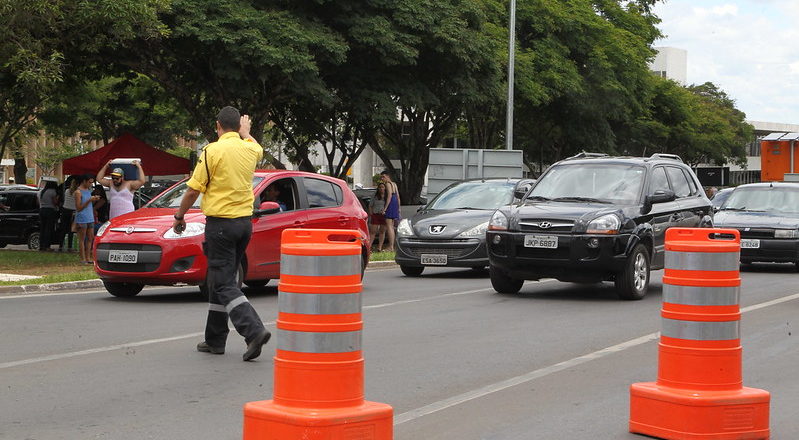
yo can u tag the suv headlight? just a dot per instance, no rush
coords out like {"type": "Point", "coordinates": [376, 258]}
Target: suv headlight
{"type": "Point", "coordinates": [191, 230]}
{"type": "Point", "coordinates": [498, 222]}
{"type": "Point", "coordinates": [475, 231]}
{"type": "Point", "coordinates": [785, 233]}
{"type": "Point", "coordinates": [607, 224]}
{"type": "Point", "coordinates": [102, 228]}
{"type": "Point", "coordinates": [404, 228]}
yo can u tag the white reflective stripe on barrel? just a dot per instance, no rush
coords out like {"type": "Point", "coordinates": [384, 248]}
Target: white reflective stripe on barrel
{"type": "Point", "coordinates": [319, 304]}
{"type": "Point", "coordinates": [701, 330]}
{"type": "Point", "coordinates": [318, 342]}
{"type": "Point", "coordinates": [702, 260]}
{"type": "Point", "coordinates": [701, 296]}
{"type": "Point", "coordinates": [320, 266]}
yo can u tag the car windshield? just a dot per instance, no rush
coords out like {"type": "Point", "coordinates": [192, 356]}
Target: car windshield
{"type": "Point", "coordinates": [764, 198]}
{"type": "Point", "coordinates": [474, 195]}
{"type": "Point", "coordinates": [599, 183]}
{"type": "Point", "coordinates": [171, 198]}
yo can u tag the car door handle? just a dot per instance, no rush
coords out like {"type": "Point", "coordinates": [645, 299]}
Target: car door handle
{"type": "Point", "coordinates": [343, 219]}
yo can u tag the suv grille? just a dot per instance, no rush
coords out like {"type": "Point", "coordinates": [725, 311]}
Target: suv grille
{"type": "Point", "coordinates": [148, 260]}
{"type": "Point", "coordinates": [757, 233]}
{"type": "Point", "coordinates": [545, 225]}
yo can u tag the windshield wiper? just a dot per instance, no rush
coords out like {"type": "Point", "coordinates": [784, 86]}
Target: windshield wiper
{"type": "Point", "coordinates": [538, 198]}
{"type": "Point", "coordinates": [468, 207]}
{"type": "Point", "coordinates": [579, 199]}
{"type": "Point", "coordinates": [742, 209]}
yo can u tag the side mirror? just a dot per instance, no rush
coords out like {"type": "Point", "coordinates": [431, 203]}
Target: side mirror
{"type": "Point", "coordinates": [519, 192]}
{"type": "Point", "coordinates": [421, 208]}
{"type": "Point", "coordinates": [267, 208]}
{"type": "Point", "coordinates": [662, 196]}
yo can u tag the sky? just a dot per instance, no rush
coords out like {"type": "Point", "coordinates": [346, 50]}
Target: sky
{"type": "Point", "coordinates": [749, 48]}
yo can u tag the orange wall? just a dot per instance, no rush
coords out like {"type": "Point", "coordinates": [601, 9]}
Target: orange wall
{"type": "Point", "coordinates": [776, 160]}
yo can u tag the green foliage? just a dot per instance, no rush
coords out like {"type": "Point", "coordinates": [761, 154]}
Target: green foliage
{"type": "Point", "coordinates": [111, 106]}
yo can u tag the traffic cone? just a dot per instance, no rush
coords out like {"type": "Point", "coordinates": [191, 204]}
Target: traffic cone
{"type": "Point", "coordinates": [699, 393]}
{"type": "Point", "coordinates": [318, 381]}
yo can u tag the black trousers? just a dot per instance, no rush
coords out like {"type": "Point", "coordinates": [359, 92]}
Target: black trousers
{"type": "Point", "coordinates": [225, 242]}
{"type": "Point", "coordinates": [65, 228]}
{"type": "Point", "coordinates": [47, 220]}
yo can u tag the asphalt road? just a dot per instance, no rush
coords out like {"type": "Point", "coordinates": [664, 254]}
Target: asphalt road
{"type": "Point", "coordinates": [454, 359]}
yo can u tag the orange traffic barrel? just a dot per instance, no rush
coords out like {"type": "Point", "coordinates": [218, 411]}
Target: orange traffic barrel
{"type": "Point", "coordinates": [319, 366]}
{"type": "Point", "coordinates": [699, 392]}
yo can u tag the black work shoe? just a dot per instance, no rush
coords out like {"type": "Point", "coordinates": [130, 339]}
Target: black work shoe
{"type": "Point", "coordinates": [254, 347]}
{"type": "Point", "coordinates": [205, 348]}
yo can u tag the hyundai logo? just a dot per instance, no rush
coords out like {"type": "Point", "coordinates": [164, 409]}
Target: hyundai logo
{"type": "Point", "coordinates": [437, 229]}
{"type": "Point", "coordinates": [545, 225]}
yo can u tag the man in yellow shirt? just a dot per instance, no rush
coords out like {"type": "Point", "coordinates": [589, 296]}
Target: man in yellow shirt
{"type": "Point", "coordinates": [223, 175]}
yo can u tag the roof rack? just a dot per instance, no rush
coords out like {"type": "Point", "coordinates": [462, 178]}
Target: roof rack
{"type": "Point", "coordinates": [666, 156]}
{"type": "Point", "coordinates": [585, 154]}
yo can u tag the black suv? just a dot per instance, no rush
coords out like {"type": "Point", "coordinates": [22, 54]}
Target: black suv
{"type": "Point", "coordinates": [19, 217]}
{"type": "Point", "coordinates": [593, 218]}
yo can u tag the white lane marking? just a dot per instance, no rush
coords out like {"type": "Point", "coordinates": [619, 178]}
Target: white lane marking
{"type": "Point", "coordinates": [541, 372]}
{"type": "Point", "coordinates": [194, 335]}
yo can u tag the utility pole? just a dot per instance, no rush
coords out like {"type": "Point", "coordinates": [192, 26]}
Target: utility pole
{"type": "Point", "coordinates": [511, 62]}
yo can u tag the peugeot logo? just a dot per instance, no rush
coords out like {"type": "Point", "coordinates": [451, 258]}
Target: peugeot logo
{"type": "Point", "coordinates": [129, 230]}
{"type": "Point", "coordinates": [545, 225]}
{"type": "Point", "coordinates": [437, 229]}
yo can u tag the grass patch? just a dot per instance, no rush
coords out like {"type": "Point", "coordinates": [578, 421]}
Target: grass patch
{"type": "Point", "coordinates": [382, 256]}
{"type": "Point", "coordinates": [54, 267]}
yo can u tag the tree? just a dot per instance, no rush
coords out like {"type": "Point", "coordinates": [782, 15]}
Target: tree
{"type": "Point", "coordinates": [111, 106]}
{"type": "Point", "coordinates": [34, 36]}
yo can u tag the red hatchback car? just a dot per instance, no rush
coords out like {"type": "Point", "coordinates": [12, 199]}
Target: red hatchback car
{"type": "Point", "coordinates": [140, 248]}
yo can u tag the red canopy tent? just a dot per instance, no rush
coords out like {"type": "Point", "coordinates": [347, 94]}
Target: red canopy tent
{"type": "Point", "coordinates": [154, 162]}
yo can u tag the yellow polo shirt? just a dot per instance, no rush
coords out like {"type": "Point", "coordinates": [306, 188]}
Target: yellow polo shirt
{"type": "Point", "coordinates": [227, 192]}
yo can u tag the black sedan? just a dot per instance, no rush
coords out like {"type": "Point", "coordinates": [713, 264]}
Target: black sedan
{"type": "Point", "coordinates": [451, 229]}
{"type": "Point", "coordinates": [767, 216]}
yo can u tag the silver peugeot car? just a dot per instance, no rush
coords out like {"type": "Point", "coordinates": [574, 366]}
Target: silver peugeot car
{"type": "Point", "coordinates": [451, 229]}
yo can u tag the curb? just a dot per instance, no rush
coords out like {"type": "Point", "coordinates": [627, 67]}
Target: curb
{"type": "Point", "coordinates": [91, 284]}
{"type": "Point", "coordinates": [52, 287]}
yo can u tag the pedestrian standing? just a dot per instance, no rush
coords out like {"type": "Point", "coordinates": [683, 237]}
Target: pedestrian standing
{"type": "Point", "coordinates": [84, 217]}
{"type": "Point", "coordinates": [392, 209]}
{"type": "Point", "coordinates": [67, 217]}
{"type": "Point", "coordinates": [377, 220]}
{"type": "Point", "coordinates": [101, 208]}
{"type": "Point", "coordinates": [223, 175]}
{"type": "Point", "coordinates": [120, 191]}
{"type": "Point", "coordinates": [48, 214]}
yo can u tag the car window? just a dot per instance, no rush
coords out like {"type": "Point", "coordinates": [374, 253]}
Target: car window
{"type": "Point", "coordinates": [5, 202]}
{"type": "Point", "coordinates": [606, 182]}
{"type": "Point", "coordinates": [24, 203]}
{"type": "Point", "coordinates": [659, 181]}
{"type": "Point", "coordinates": [764, 199]}
{"type": "Point", "coordinates": [339, 194]}
{"type": "Point", "coordinates": [474, 195]}
{"type": "Point", "coordinates": [171, 198]}
{"type": "Point", "coordinates": [678, 182]}
{"type": "Point", "coordinates": [320, 193]}
{"type": "Point", "coordinates": [283, 192]}
{"type": "Point", "coordinates": [691, 182]}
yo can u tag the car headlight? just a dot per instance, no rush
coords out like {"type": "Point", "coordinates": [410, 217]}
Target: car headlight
{"type": "Point", "coordinates": [607, 224]}
{"type": "Point", "coordinates": [785, 233]}
{"type": "Point", "coordinates": [404, 228]}
{"type": "Point", "coordinates": [191, 230]}
{"type": "Point", "coordinates": [498, 222]}
{"type": "Point", "coordinates": [102, 228]}
{"type": "Point", "coordinates": [475, 231]}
